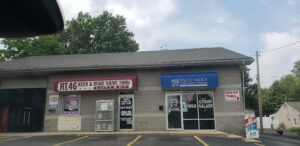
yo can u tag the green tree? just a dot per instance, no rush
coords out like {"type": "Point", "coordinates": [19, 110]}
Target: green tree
{"type": "Point", "coordinates": [250, 89]}
{"type": "Point", "coordinates": [83, 35]}
{"type": "Point", "coordinates": [22, 47]}
{"type": "Point", "coordinates": [296, 69]}
{"type": "Point", "coordinates": [101, 34]}
{"type": "Point", "coordinates": [287, 89]}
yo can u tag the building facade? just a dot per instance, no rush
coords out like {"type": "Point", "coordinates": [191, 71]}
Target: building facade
{"type": "Point", "coordinates": [190, 89]}
{"type": "Point", "coordinates": [289, 114]}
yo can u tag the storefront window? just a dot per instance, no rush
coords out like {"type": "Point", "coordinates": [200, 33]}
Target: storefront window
{"type": "Point", "coordinates": [189, 110]}
{"type": "Point", "coordinates": [71, 106]}
{"type": "Point", "coordinates": [197, 110]}
{"type": "Point", "coordinates": [205, 104]}
{"type": "Point", "coordinates": [174, 111]}
{"type": "Point", "coordinates": [189, 106]}
{"type": "Point", "coordinates": [207, 124]}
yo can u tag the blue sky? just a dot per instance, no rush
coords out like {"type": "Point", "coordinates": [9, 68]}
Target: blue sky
{"type": "Point", "coordinates": [239, 25]}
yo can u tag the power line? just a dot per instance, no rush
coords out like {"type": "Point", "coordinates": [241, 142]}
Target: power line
{"type": "Point", "coordinates": [291, 44]}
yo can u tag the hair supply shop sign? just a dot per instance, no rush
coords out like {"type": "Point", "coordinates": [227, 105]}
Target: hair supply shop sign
{"type": "Point", "coordinates": [232, 95]}
{"type": "Point", "coordinates": [251, 127]}
{"type": "Point", "coordinates": [95, 83]}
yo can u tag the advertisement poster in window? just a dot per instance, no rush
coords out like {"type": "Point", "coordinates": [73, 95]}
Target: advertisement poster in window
{"type": "Point", "coordinates": [71, 105]}
{"type": "Point", "coordinates": [126, 103]}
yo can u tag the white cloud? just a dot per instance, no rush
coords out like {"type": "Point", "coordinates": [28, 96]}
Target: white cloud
{"type": "Point", "coordinates": [154, 22]}
{"type": "Point", "coordinates": [291, 2]}
{"type": "Point", "coordinates": [275, 64]}
{"type": "Point", "coordinates": [70, 8]}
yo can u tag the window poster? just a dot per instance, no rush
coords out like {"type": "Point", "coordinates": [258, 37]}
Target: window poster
{"type": "Point", "coordinates": [126, 112]}
{"type": "Point", "coordinates": [71, 105]}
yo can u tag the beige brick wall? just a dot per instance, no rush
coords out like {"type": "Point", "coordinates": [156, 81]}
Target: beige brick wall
{"type": "Point", "coordinates": [149, 96]}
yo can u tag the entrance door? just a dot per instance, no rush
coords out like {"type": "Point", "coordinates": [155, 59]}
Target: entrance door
{"type": "Point", "coordinates": [174, 111]}
{"type": "Point", "coordinates": [189, 110]}
{"type": "Point", "coordinates": [126, 112]}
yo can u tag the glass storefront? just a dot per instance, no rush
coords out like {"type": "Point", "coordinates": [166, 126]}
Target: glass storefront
{"type": "Point", "coordinates": [191, 110]}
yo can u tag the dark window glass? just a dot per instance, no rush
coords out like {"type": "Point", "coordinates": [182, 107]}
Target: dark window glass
{"type": "Point", "coordinates": [190, 124]}
{"type": "Point", "coordinates": [189, 106]}
{"type": "Point", "coordinates": [125, 113]}
{"type": "Point", "coordinates": [205, 104]}
{"type": "Point", "coordinates": [174, 113]}
{"type": "Point", "coordinates": [207, 124]}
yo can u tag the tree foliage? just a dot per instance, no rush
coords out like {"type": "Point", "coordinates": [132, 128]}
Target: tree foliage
{"type": "Point", "coordinates": [250, 89]}
{"type": "Point", "coordinates": [287, 89]}
{"type": "Point", "coordinates": [101, 34]}
{"type": "Point", "coordinates": [83, 35]}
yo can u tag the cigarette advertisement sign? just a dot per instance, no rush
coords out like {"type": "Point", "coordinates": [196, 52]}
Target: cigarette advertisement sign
{"type": "Point", "coordinates": [251, 127]}
{"type": "Point", "coordinates": [53, 101]}
{"type": "Point", "coordinates": [232, 95]}
{"type": "Point", "coordinates": [95, 83]}
{"type": "Point", "coordinates": [71, 106]}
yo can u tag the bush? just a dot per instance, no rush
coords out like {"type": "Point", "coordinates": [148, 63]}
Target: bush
{"type": "Point", "coordinates": [294, 129]}
{"type": "Point", "coordinates": [281, 126]}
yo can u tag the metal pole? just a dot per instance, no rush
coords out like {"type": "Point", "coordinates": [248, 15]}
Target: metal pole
{"type": "Point", "coordinates": [259, 95]}
{"type": "Point", "coordinates": [244, 99]}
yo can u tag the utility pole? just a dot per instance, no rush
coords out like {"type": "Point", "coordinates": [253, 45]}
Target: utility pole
{"type": "Point", "coordinates": [259, 95]}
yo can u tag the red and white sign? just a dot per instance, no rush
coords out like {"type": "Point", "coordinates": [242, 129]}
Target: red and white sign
{"type": "Point", "coordinates": [232, 95]}
{"type": "Point", "coordinates": [96, 83]}
{"type": "Point", "coordinates": [53, 99]}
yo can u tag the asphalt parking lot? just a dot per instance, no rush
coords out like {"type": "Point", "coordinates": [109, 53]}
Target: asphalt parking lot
{"type": "Point", "coordinates": [134, 140]}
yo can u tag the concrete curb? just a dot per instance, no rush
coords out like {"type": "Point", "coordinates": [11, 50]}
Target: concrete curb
{"type": "Point", "coordinates": [243, 138]}
{"type": "Point", "coordinates": [122, 133]}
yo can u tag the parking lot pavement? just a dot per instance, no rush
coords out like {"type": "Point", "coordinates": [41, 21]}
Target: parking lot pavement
{"type": "Point", "coordinates": [133, 140]}
{"type": "Point", "coordinates": [37, 141]}
{"type": "Point", "coordinates": [188, 141]}
{"type": "Point", "coordinates": [277, 140]}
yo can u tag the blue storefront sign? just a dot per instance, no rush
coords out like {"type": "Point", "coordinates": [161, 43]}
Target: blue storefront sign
{"type": "Point", "coordinates": [187, 80]}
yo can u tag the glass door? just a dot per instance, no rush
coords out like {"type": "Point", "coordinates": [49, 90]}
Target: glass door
{"type": "Point", "coordinates": [174, 111]}
{"type": "Point", "coordinates": [189, 110]}
{"type": "Point", "coordinates": [126, 112]}
{"type": "Point", "coordinates": [104, 115]}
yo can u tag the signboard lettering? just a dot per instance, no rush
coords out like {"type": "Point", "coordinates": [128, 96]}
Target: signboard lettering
{"type": "Point", "coordinates": [205, 103]}
{"type": "Point", "coordinates": [232, 95]}
{"type": "Point", "coordinates": [96, 83]}
{"type": "Point", "coordinates": [209, 79]}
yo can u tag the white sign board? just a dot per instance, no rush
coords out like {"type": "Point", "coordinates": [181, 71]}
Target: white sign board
{"type": "Point", "coordinates": [53, 101]}
{"type": "Point", "coordinates": [232, 95]}
{"type": "Point", "coordinates": [69, 123]}
{"type": "Point", "coordinates": [251, 127]}
{"type": "Point", "coordinates": [95, 85]}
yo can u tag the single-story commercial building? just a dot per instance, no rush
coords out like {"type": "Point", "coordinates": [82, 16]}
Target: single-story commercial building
{"type": "Point", "coordinates": [188, 89]}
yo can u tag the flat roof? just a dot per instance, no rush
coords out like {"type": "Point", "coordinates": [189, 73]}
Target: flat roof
{"type": "Point", "coordinates": [126, 60]}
